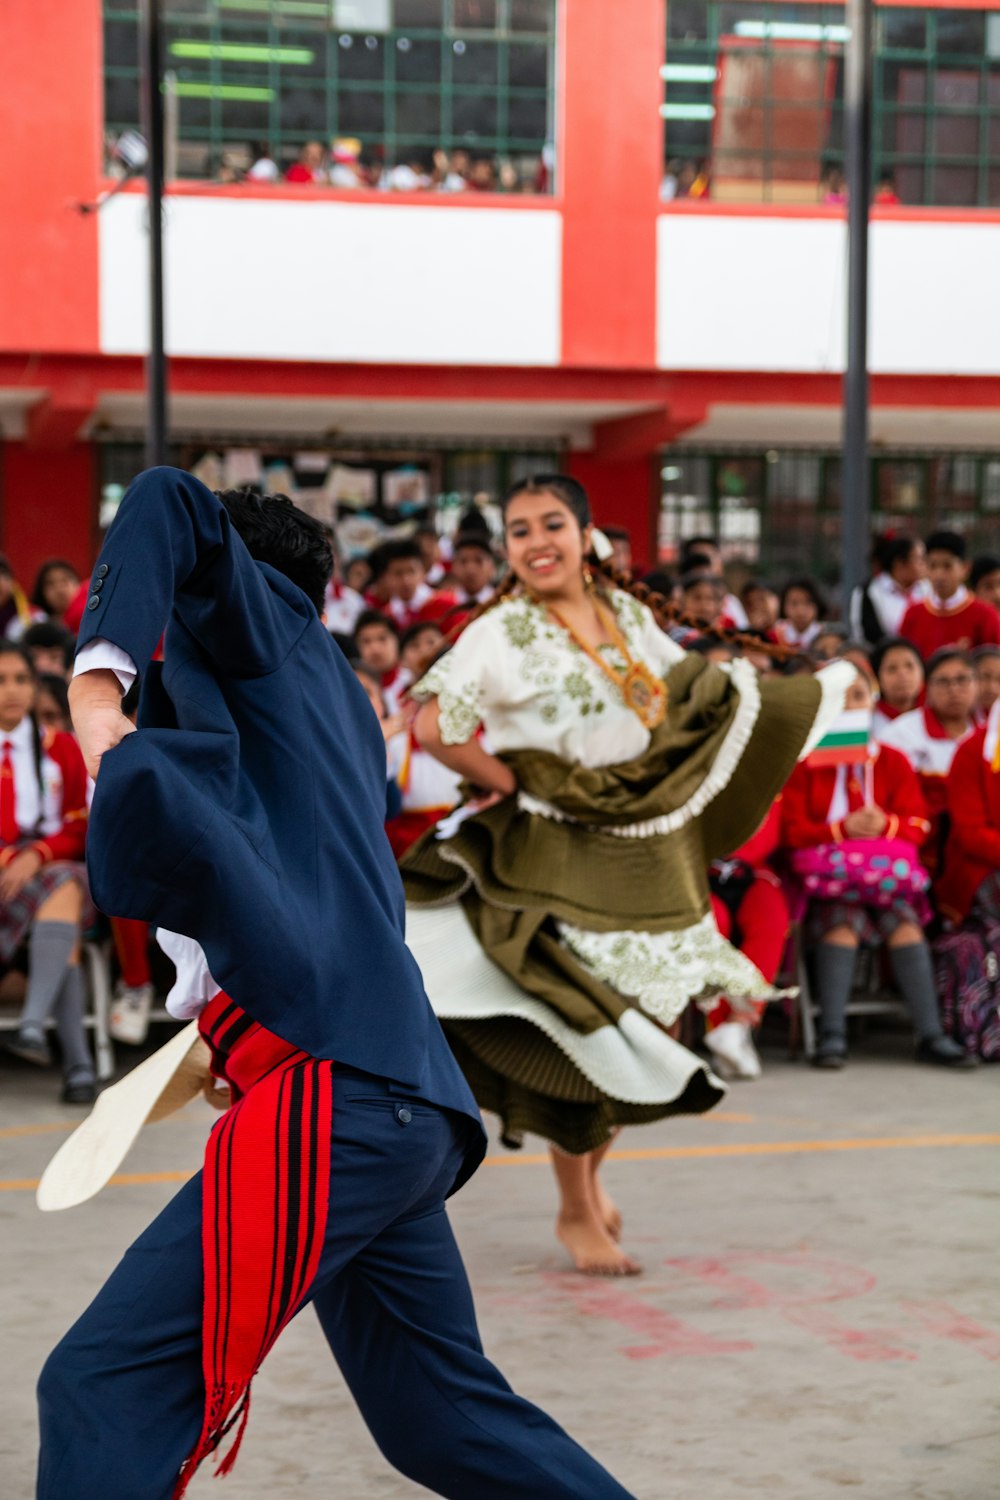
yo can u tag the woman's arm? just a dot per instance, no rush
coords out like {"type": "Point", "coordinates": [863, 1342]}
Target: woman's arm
{"type": "Point", "coordinates": [469, 760]}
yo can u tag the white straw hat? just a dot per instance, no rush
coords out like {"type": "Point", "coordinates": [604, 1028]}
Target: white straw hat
{"type": "Point", "coordinates": [159, 1086]}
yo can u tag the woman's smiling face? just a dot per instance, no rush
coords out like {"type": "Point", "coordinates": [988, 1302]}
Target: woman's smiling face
{"type": "Point", "coordinates": [545, 546]}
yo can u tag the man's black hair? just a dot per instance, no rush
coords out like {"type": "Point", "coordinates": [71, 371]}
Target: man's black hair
{"type": "Point", "coordinates": [276, 532]}
{"type": "Point", "coordinates": [946, 541]}
{"type": "Point", "coordinates": [375, 617]}
{"type": "Point", "coordinates": [697, 562]}
{"type": "Point", "coordinates": [700, 575]}
{"type": "Point", "coordinates": [890, 550]}
{"type": "Point", "coordinates": [982, 567]}
{"type": "Point", "coordinates": [49, 635]}
{"type": "Point", "coordinates": [805, 586]}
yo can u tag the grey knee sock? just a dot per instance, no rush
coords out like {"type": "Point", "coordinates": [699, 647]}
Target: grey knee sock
{"type": "Point", "coordinates": [49, 950]}
{"type": "Point", "coordinates": [914, 973]}
{"type": "Point", "coordinates": [68, 1015]}
{"type": "Point", "coordinates": [834, 978]}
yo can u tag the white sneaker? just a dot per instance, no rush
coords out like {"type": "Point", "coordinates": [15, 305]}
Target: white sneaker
{"type": "Point", "coordinates": [733, 1052]}
{"type": "Point", "coordinates": [128, 1020]}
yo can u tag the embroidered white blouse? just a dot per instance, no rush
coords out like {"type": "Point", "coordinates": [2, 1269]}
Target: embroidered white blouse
{"type": "Point", "coordinates": [522, 675]}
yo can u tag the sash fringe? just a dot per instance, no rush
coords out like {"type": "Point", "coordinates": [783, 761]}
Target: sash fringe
{"type": "Point", "coordinates": [265, 1203]}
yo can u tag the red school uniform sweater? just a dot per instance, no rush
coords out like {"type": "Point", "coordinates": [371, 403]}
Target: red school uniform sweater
{"type": "Point", "coordinates": [974, 623]}
{"type": "Point", "coordinates": [809, 792]}
{"type": "Point", "coordinates": [63, 824]}
{"type": "Point", "coordinates": [973, 849]}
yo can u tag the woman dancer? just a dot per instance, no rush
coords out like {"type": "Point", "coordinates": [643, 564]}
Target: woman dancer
{"type": "Point", "coordinates": [623, 766]}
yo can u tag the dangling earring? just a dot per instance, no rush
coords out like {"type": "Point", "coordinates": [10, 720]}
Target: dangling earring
{"type": "Point", "coordinates": [588, 578]}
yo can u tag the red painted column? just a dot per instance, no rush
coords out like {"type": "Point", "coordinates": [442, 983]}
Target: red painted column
{"type": "Point", "coordinates": [621, 493]}
{"type": "Point", "coordinates": [611, 165]}
{"type": "Point", "coordinates": [48, 506]}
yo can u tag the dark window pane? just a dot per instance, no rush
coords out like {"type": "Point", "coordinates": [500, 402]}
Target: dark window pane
{"type": "Point", "coordinates": [424, 13]}
{"type": "Point", "coordinates": [687, 21]}
{"type": "Point", "coordinates": [245, 117]}
{"type": "Point", "coordinates": [121, 101]}
{"type": "Point", "coordinates": [417, 62]}
{"type": "Point", "coordinates": [194, 114]}
{"type": "Point", "coordinates": [531, 15]}
{"type": "Point", "coordinates": [960, 32]}
{"type": "Point", "coordinates": [904, 29]}
{"type": "Point", "coordinates": [418, 114]}
{"type": "Point", "coordinates": [527, 119]}
{"type": "Point", "coordinates": [528, 67]}
{"type": "Point", "coordinates": [121, 44]}
{"type": "Point", "coordinates": [474, 14]}
{"type": "Point", "coordinates": [303, 111]}
{"type": "Point", "coordinates": [474, 62]}
{"type": "Point", "coordinates": [475, 117]}
{"type": "Point", "coordinates": [361, 112]}
{"type": "Point", "coordinates": [360, 58]}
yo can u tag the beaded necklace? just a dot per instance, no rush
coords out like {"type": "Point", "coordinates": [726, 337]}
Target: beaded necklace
{"type": "Point", "coordinates": [643, 692]}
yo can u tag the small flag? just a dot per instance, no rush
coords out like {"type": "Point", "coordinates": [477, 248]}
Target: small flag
{"type": "Point", "coordinates": [845, 742]}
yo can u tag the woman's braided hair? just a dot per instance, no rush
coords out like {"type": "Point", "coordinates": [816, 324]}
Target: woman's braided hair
{"type": "Point", "coordinates": [573, 495]}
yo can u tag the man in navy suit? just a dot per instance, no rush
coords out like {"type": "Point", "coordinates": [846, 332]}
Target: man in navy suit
{"type": "Point", "coordinates": [246, 813]}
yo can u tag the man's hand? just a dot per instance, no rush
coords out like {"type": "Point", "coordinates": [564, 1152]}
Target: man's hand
{"type": "Point", "coordinates": [15, 876]}
{"type": "Point", "coordinates": [95, 701]}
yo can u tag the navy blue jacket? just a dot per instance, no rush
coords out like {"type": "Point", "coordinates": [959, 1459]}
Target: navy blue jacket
{"type": "Point", "coordinates": [247, 812]}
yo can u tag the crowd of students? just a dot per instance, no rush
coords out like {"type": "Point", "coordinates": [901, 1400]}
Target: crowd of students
{"type": "Point", "coordinates": [897, 846]}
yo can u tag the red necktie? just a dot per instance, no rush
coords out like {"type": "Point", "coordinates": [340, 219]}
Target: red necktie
{"type": "Point", "coordinates": [9, 831]}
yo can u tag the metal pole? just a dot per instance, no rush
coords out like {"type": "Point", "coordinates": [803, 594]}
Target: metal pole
{"type": "Point", "coordinates": [855, 500]}
{"type": "Point", "coordinates": [151, 70]}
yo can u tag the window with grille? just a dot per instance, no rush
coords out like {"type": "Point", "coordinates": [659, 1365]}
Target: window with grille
{"type": "Point", "coordinates": [448, 92]}
{"type": "Point", "coordinates": [753, 104]}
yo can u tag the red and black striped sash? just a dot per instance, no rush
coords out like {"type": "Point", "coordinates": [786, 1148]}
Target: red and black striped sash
{"type": "Point", "coordinates": [265, 1200]}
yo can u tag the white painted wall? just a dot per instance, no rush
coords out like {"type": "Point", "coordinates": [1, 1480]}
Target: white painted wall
{"type": "Point", "coordinates": [373, 283]}
{"type": "Point", "coordinates": [753, 293]}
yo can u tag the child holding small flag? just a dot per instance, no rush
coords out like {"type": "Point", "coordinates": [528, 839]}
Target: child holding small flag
{"type": "Point", "coordinates": [854, 817]}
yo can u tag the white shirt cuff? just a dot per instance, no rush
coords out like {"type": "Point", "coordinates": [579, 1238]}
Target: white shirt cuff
{"type": "Point", "coordinates": [101, 655]}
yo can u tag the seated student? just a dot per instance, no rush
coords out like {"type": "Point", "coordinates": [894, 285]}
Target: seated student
{"type": "Point", "coordinates": [986, 668]}
{"type": "Point", "coordinates": [879, 800]}
{"type": "Point", "coordinates": [377, 589]}
{"type": "Point", "coordinates": [878, 606]}
{"type": "Point", "coordinates": [474, 572]}
{"type": "Point", "coordinates": [376, 641]}
{"type": "Point", "coordinates": [50, 646]}
{"type": "Point", "coordinates": [762, 606]}
{"type": "Point", "coordinates": [703, 554]}
{"type": "Point", "coordinates": [803, 609]}
{"type": "Point", "coordinates": [929, 736]}
{"type": "Point", "coordinates": [416, 647]}
{"type": "Point", "coordinates": [950, 615]}
{"type": "Point", "coordinates": [429, 792]}
{"type": "Point", "coordinates": [52, 703]}
{"type": "Point", "coordinates": [703, 597]}
{"type": "Point", "coordinates": [16, 613]}
{"type": "Point", "coordinates": [751, 910]}
{"type": "Point", "coordinates": [43, 829]}
{"type": "Point", "coordinates": [394, 731]}
{"type": "Point", "coordinates": [899, 669]}
{"type": "Point", "coordinates": [970, 882]}
{"type": "Point", "coordinates": [984, 580]}
{"type": "Point", "coordinates": [56, 585]}
{"type": "Point", "coordinates": [830, 642]}
{"type": "Point", "coordinates": [343, 606]}
{"type": "Point", "coordinates": [431, 551]}
{"type": "Point", "coordinates": [358, 575]}
{"type": "Point", "coordinates": [410, 596]}
{"type": "Point", "coordinates": [621, 548]}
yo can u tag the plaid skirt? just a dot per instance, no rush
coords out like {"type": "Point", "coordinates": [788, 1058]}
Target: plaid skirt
{"type": "Point", "coordinates": [871, 925]}
{"type": "Point", "coordinates": [17, 916]}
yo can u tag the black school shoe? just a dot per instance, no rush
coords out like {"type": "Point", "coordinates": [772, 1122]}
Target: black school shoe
{"type": "Point", "coordinates": [944, 1052]}
{"type": "Point", "coordinates": [831, 1053]}
{"type": "Point", "coordinates": [31, 1047]}
{"type": "Point", "coordinates": [80, 1088]}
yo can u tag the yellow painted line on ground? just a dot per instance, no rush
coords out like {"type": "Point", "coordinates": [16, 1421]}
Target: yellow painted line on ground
{"type": "Point", "coordinates": [10, 1130]}
{"type": "Point", "coordinates": [765, 1148]}
{"type": "Point", "coordinates": [649, 1153]}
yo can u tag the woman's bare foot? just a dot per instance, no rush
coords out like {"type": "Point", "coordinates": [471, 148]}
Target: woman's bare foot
{"type": "Point", "coordinates": [607, 1209]}
{"type": "Point", "coordinates": [592, 1249]}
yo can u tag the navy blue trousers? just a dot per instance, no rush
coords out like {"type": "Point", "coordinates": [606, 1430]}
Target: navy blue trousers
{"type": "Point", "coordinates": [121, 1396]}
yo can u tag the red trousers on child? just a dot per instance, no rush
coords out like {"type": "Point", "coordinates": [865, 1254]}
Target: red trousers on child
{"type": "Point", "coordinates": [759, 929]}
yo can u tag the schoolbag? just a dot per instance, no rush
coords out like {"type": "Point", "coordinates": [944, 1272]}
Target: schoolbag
{"type": "Point", "coordinates": [967, 974]}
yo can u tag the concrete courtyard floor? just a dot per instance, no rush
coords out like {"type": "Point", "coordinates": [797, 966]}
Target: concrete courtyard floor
{"type": "Point", "coordinates": [818, 1315]}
